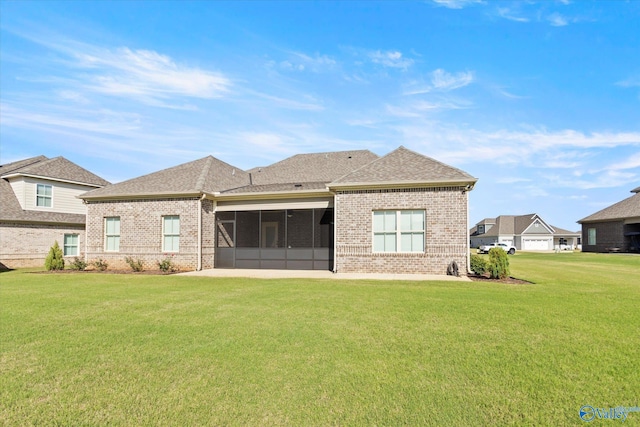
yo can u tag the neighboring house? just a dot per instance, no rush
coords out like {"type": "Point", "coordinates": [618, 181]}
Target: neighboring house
{"type": "Point", "coordinates": [348, 211]}
{"type": "Point", "coordinates": [613, 229]}
{"type": "Point", "coordinates": [39, 205]}
{"type": "Point", "coordinates": [525, 232]}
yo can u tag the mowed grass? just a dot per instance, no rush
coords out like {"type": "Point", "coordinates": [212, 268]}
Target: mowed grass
{"type": "Point", "coordinates": [101, 349]}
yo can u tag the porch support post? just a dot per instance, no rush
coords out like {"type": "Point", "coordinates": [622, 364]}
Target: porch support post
{"type": "Point", "coordinates": [199, 263]}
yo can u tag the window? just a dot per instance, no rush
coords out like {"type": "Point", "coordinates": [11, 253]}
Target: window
{"type": "Point", "coordinates": [481, 229]}
{"type": "Point", "coordinates": [591, 236]}
{"type": "Point", "coordinates": [43, 195]}
{"type": "Point", "coordinates": [398, 231]}
{"type": "Point", "coordinates": [112, 234]}
{"type": "Point", "coordinates": [171, 233]}
{"type": "Point", "coordinates": [71, 245]}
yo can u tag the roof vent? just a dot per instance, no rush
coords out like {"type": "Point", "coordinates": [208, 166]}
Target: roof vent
{"type": "Point", "coordinates": [349, 157]}
{"type": "Point", "coordinates": [297, 185]}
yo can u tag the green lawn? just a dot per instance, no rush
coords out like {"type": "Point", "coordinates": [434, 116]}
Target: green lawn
{"type": "Point", "coordinates": [98, 349]}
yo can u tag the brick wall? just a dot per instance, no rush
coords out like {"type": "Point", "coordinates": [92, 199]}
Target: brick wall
{"type": "Point", "coordinates": [141, 231]}
{"type": "Point", "coordinates": [27, 245]}
{"type": "Point", "coordinates": [608, 235]}
{"type": "Point", "coordinates": [446, 230]}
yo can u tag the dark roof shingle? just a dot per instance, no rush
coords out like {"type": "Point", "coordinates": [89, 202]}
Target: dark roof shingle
{"type": "Point", "coordinates": [627, 208]}
{"type": "Point", "coordinates": [404, 166]}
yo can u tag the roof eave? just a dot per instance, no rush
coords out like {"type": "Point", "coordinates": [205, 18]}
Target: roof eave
{"type": "Point", "coordinates": [49, 178]}
{"type": "Point", "coordinates": [272, 195]}
{"type": "Point", "coordinates": [146, 196]}
{"type": "Point", "coordinates": [404, 184]}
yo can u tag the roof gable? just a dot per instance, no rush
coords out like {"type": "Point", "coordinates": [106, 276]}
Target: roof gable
{"type": "Point", "coordinates": [403, 166]}
{"type": "Point", "coordinates": [206, 175]}
{"type": "Point", "coordinates": [58, 168]}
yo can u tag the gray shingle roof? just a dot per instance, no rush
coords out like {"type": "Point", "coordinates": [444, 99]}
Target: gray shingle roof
{"type": "Point", "coordinates": [41, 166]}
{"type": "Point", "coordinates": [299, 173]}
{"type": "Point", "coordinates": [315, 167]}
{"type": "Point", "coordinates": [627, 208]}
{"type": "Point", "coordinates": [206, 175]}
{"type": "Point", "coordinates": [404, 166]}
{"type": "Point", "coordinates": [57, 168]}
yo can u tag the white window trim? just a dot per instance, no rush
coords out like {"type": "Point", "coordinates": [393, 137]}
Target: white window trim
{"type": "Point", "coordinates": [398, 231]}
{"type": "Point", "coordinates": [164, 234]}
{"type": "Point", "coordinates": [50, 197]}
{"type": "Point", "coordinates": [64, 245]}
{"type": "Point", "coordinates": [106, 236]}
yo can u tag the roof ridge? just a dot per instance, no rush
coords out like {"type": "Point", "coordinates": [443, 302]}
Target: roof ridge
{"type": "Point", "coordinates": [203, 174]}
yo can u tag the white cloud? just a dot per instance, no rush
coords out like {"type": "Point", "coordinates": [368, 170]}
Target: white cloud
{"type": "Point", "coordinates": [633, 81]}
{"type": "Point", "coordinates": [457, 4]}
{"type": "Point", "coordinates": [145, 73]}
{"type": "Point", "coordinates": [302, 62]}
{"type": "Point", "coordinates": [506, 13]}
{"type": "Point", "coordinates": [441, 81]}
{"type": "Point", "coordinates": [391, 58]}
{"type": "Point", "coordinates": [557, 20]}
{"type": "Point", "coordinates": [444, 81]}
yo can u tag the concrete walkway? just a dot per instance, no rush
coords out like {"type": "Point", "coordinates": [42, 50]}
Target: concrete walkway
{"type": "Point", "coordinates": [317, 274]}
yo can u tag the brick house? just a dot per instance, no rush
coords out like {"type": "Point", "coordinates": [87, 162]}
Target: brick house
{"type": "Point", "coordinates": [38, 206]}
{"type": "Point", "coordinates": [526, 232]}
{"type": "Point", "coordinates": [348, 211]}
{"type": "Point", "coordinates": [615, 228]}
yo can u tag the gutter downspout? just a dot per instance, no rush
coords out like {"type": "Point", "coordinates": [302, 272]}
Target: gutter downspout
{"type": "Point", "coordinates": [335, 232]}
{"type": "Point", "coordinates": [199, 266]}
{"type": "Point", "coordinates": [468, 255]}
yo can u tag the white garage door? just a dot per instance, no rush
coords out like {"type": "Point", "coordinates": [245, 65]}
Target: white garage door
{"type": "Point", "coordinates": [535, 245]}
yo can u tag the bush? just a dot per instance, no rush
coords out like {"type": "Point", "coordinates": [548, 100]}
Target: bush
{"type": "Point", "coordinates": [498, 263]}
{"type": "Point", "coordinates": [100, 264]}
{"type": "Point", "coordinates": [167, 266]}
{"type": "Point", "coordinates": [136, 265]}
{"type": "Point", "coordinates": [478, 265]}
{"type": "Point", "coordinates": [55, 258]}
{"type": "Point", "coordinates": [78, 264]}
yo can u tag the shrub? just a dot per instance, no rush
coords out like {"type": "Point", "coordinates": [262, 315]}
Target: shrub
{"type": "Point", "coordinates": [498, 263]}
{"type": "Point", "coordinates": [478, 264]}
{"type": "Point", "coordinates": [166, 265]}
{"type": "Point", "coordinates": [78, 264]}
{"type": "Point", "coordinates": [100, 264]}
{"type": "Point", "coordinates": [55, 258]}
{"type": "Point", "coordinates": [136, 265]}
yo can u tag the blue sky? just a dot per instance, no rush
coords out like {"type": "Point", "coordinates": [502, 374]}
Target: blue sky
{"type": "Point", "coordinates": [540, 100]}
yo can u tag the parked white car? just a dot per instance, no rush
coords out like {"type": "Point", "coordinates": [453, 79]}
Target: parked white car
{"type": "Point", "coordinates": [484, 249]}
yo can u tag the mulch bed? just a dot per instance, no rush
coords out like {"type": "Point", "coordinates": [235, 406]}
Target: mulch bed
{"type": "Point", "coordinates": [508, 280]}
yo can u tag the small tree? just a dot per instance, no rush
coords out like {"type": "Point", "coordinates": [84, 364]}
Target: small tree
{"type": "Point", "coordinates": [498, 263]}
{"type": "Point", "coordinates": [478, 264]}
{"type": "Point", "coordinates": [55, 258]}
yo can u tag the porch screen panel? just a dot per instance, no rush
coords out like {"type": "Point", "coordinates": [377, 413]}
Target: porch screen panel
{"type": "Point", "coordinates": [272, 229]}
{"type": "Point", "coordinates": [300, 228]}
{"type": "Point", "coordinates": [248, 229]}
{"type": "Point", "coordinates": [323, 228]}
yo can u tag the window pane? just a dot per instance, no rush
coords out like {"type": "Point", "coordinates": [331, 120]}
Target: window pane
{"type": "Point", "coordinates": [390, 242]}
{"type": "Point", "coordinates": [417, 242]}
{"type": "Point", "coordinates": [417, 221]}
{"type": "Point", "coordinates": [323, 228]}
{"type": "Point", "coordinates": [405, 242]}
{"type": "Point", "coordinates": [378, 242]}
{"type": "Point", "coordinates": [390, 221]}
{"type": "Point", "coordinates": [378, 221]}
